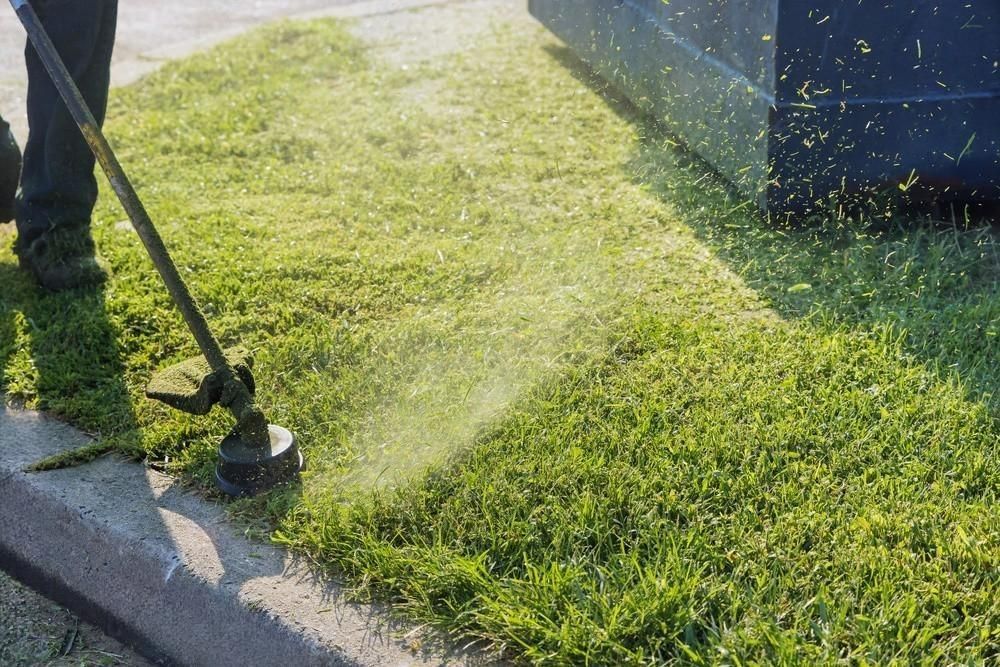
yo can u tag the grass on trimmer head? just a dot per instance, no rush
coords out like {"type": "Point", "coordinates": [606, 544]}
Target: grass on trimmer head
{"type": "Point", "coordinates": [558, 389]}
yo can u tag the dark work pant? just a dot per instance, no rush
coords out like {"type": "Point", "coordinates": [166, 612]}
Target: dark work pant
{"type": "Point", "coordinates": [10, 171]}
{"type": "Point", "coordinates": [58, 186]}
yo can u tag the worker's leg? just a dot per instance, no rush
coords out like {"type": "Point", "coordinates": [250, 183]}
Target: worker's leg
{"type": "Point", "coordinates": [10, 171]}
{"type": "Point", "coordinates": [58, 186]}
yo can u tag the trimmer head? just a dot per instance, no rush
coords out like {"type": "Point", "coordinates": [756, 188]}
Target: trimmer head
{"type": "Point", "coordinates": [245, 470]}
{"type": "Point", "coordinates": [255, 456]}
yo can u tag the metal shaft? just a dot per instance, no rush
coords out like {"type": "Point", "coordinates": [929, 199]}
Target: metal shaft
{"type": "Point", "coordinates": [241, 400]}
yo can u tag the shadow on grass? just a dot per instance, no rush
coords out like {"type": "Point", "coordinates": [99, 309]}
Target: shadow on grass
{"type": "Point", "coordinates": [933, 281]}
{"type": "Point", "coordinates": [59, 353]}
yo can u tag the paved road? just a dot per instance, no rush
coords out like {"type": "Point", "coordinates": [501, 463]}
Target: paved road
{"type": "Point", "coordinates": [149, 32]}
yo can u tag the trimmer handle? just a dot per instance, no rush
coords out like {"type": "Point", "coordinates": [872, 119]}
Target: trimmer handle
{"type": "Point", "coordinates": [239, 400]}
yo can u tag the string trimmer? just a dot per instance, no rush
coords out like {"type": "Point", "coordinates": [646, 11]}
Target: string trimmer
{"type": "Point", "coordinates": [255, 455]}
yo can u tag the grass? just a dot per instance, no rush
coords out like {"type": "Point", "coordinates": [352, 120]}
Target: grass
{"type": "Point", "coordinates": [558, 388]}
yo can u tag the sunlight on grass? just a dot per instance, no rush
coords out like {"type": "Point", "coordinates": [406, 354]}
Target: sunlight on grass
{"type": "Point", "coordinates": [558, 388]}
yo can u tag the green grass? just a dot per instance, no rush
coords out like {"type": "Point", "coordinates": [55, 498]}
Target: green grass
{"type": "Point", "coordinates": [558, 388]}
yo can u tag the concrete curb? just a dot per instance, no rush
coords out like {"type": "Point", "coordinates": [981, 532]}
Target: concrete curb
{"type": "Point", "coordinates": [162, 570]}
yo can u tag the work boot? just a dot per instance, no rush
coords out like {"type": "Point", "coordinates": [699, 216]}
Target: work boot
{"type": "Point", "coordinates": [62, 258]}
{"type": "Point", "coordinates": [10, 172]}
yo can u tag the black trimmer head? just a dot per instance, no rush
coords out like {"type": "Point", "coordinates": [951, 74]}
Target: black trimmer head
{"type": "Point", "coordinates": [255, 456]}
{"type": "Point", "coordinates": [245, 470]}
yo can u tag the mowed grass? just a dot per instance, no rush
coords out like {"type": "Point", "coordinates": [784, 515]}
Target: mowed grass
{"type": "Point", "coordinates": [559, 390]}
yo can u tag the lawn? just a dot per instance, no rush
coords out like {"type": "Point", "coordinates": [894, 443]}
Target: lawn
{"type": "Point", "coordinates": [558, 388]}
